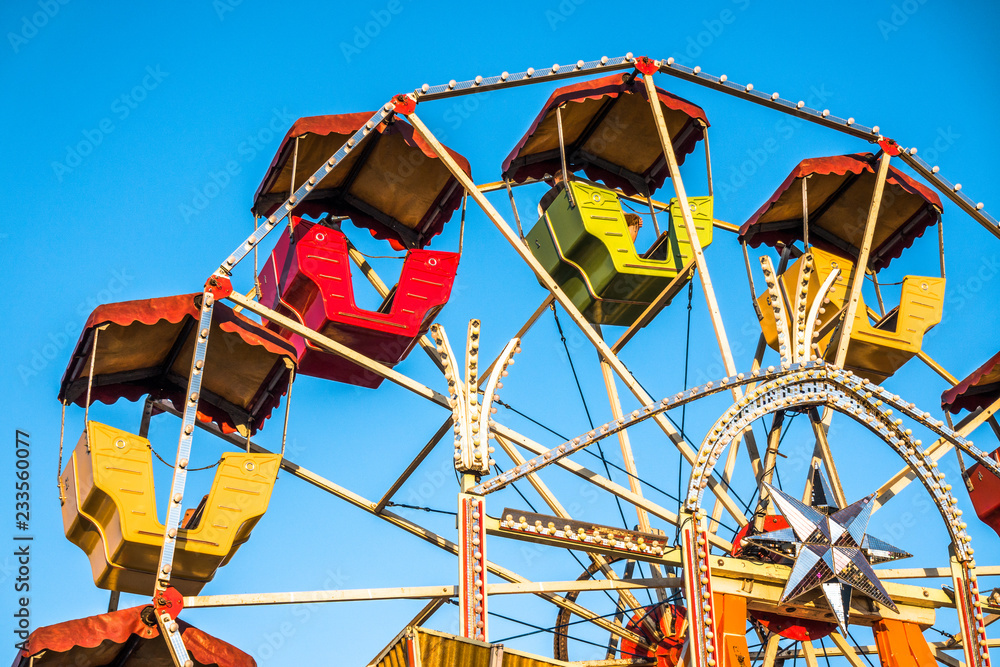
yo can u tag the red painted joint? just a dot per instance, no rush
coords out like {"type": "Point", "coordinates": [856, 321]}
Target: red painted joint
{"type": "Point", "coordinates": [646, 65]}
{"type": "Point", "coordinates": [169, 602]}
{"type": "Point", "coordinates": [219, 286]}
{"type": "Point", "coordinates": [889, 146]}
{"type": "Point", "coordinates": [404, 104]}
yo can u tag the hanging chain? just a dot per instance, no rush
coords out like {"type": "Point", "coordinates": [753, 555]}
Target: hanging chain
{"type": "Point", "coordinates": [90, 384]}
{"type": "Point", "coordinates": [62, 433]}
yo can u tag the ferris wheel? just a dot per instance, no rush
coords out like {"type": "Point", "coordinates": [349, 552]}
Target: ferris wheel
{"type": "Point", "coordinates": [738, 569]}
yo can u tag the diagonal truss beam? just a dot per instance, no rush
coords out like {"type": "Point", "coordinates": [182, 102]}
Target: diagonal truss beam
{"type": "Point", "coordinates": [936, 451]}
{"type": "Point", "coordinates": [340, 350]}
{"type": "Point", "coordinates": [585, 327]}
{"type": "Point", "coordinates": [445, 544]}
{"type": "Point", "coordinates": [605, 484]}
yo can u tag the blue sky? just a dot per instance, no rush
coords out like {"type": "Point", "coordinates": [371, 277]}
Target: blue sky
{"type": "Point", "coordinates": [136, 134]}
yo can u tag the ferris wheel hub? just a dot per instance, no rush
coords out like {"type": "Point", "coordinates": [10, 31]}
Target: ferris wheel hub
{"type": "Point", "coordinates": [667, 644]}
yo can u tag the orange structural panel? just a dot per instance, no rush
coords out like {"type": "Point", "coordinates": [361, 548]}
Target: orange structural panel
{"type": "Point", "coordinates": [731, 612]}
{"type": "Point", "coordinates": [901, 644]}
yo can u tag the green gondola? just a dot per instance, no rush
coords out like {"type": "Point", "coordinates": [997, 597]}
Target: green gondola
{"type": "Point", "coordinates": [587, 249]}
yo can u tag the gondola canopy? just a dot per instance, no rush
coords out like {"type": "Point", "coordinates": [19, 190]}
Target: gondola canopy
{"type": "Point", "coordinates": [609, 133]}
{"type": "Point", "coordinates": [146, 346]}
{"type": "Point", "coordinates": [979, 390]}
{"type": "Point", "coordinates": [839, 192]}
{"type": "Point", "coordinates": [124, 637]}
{"type": "Point", "coordinates": [391, 182]}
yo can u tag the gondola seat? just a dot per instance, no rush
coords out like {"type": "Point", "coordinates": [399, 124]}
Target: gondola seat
{"type": "Point", "coordinates": [308, 278]}
{"type": "Point", "coordinates": [877, 349]}
{"type": "Point", "coordinates": [110, 512]}
{"type": "Point", "coordinates": [585, 246]}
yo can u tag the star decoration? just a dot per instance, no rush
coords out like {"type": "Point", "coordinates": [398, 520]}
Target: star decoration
{"type": "Point", "coordinates": [832, 552]}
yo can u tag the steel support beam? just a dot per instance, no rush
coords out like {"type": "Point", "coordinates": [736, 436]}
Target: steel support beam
{"type": "Point", "coordinates": [604, 483]}
{"type": "Point", "coordinates": [585, 327]}
{"type": "Point", "coordinates": [433, 538]}
{"type": "Point", "coordinates": [415, 592]}
{"type": "Point", "coordinates": [340, 350]}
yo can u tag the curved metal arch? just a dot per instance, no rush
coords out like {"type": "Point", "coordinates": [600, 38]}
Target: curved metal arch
{"type": "Point", "coordinates": [863, 402]}
{"type": "Point", "coordinates": [833, 388]}
{"type": "Point", "coordinates": [764, 376]}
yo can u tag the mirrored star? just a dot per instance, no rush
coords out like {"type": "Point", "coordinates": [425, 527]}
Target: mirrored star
{"type": "Point", "coordinates": [832, 552]}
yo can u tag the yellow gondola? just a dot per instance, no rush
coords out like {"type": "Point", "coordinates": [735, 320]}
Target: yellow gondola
{"type": "Point", "coordinates": [879, 345]}
{"type": "Point", "coordinates": [135, 348]}
{"type": "Point", "coordinates": [110, 512]}
{"type": "Point", "coordinates": [827, 214]}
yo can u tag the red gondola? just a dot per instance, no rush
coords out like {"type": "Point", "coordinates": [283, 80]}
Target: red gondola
{"type": "Point", "coordinates": [308, 278]}
{"type": "Point", "coordinates": [392, 184]}
{"type": "Point", "coordinates": [125, 637]}
{"type": "Point", "coordinates": [980, 390]}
